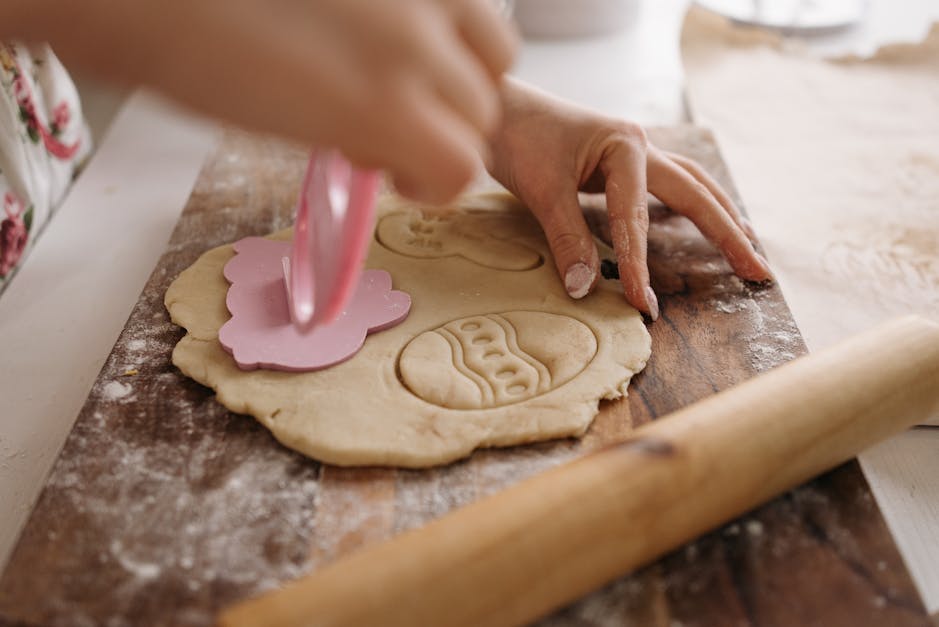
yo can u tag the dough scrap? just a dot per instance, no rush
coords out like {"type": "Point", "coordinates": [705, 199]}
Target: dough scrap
{"type": "Point", "coordinates": [487, 357]}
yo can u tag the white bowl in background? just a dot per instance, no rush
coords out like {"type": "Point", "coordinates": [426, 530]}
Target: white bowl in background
{"type": "Point", "coordinates": [574, 18]}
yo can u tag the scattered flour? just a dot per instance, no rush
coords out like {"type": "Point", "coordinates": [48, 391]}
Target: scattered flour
{"type": "Point", "coordinates": [115, 390]}
{"type": "Point", "coordinates": [136, 345]}
{"type": "Point", "coordinates": [141, 570]}
{"type": "Point", "coordinates": [730, 306]}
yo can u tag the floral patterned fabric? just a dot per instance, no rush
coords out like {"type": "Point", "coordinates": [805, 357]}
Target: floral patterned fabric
{"type": "Point", "coordinates": [43, 142]}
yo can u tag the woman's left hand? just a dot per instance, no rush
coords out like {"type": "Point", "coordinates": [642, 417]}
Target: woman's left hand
{"type": "Point", "coordinates": [548, 150]}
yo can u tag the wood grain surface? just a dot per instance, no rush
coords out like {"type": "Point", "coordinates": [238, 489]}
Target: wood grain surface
{"type": "Point", "coordinates": [164, 507]}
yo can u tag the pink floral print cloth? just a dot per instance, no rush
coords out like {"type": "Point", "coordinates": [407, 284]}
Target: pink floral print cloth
{"type": "Point", "coordinates": [43, 141]}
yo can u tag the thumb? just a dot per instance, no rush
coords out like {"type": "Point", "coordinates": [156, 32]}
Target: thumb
{"type": "Point", "coordinates": [572, 245]}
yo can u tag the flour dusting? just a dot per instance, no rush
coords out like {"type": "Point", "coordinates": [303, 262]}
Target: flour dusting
{"type": "Point", "coordinates": [167, 505]}
{"type": "Point", "coordinates": [115, 390]}
{"type": "Point", "coordinates": [136, 345]}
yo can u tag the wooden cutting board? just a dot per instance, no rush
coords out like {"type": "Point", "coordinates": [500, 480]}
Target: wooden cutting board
{"type": "Point", "coordinates": [163, 507]}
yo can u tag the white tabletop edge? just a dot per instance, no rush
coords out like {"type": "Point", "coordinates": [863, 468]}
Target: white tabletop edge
{"type": "Point", "coordinates": [62, 312]}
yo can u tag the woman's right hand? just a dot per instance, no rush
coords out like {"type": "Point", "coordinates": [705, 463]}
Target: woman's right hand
{"type": "Point", "coordinates": [409, 86]}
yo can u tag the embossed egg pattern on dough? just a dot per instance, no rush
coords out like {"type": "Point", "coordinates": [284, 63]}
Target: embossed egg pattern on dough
{"type": "Point", "coordinates": [483, 237]}
{"type": "Point", "coordinates": [497, 359]}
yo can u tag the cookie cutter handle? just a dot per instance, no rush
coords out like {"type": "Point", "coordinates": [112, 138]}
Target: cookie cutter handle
{"type": "Point", "coordinates": [334, 224]}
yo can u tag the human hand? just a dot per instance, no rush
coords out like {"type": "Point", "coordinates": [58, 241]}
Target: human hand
{"type": "Point", "coordinates": [409, 86]}
{"type": "Point", "coordinates": [548, 150]}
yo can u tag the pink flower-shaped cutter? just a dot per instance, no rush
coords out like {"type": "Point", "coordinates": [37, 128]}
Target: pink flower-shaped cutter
{"type": "Point", "coordinates": [260, 333]}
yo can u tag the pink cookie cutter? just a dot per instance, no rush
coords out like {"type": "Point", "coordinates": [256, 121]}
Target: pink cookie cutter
{"type": "Point", "coordinates": [260, 333]}
{"type": "Point", "coordinates": [333, 227]}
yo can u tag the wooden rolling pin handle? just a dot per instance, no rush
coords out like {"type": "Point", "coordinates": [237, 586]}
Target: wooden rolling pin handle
{"type": "Point", "coordinates": [513, 557]}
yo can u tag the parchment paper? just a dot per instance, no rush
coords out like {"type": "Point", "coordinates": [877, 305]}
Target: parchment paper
{"type": "Point", "coordinates": [838, 163]}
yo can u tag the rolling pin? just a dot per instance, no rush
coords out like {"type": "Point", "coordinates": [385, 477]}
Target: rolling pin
{"type": "Point", "coordinates": [523, 552]}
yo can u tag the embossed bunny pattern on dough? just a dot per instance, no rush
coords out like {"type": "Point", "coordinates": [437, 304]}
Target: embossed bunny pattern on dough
{"type": "Point", "coordinates": [477, 236]}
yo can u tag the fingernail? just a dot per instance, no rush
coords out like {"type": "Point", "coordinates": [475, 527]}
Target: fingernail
{"type": "Point", "coordinates": [578, 279]}
{"type": "Point", "coordinates": [652, 303]}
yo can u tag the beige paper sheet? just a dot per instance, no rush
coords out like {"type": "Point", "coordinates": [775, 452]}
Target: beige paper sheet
{"type": "Point", "coordinates": [838, 163]}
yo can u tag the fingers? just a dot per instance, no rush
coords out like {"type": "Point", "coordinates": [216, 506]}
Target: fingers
{"type": "Point", "coordinates": [406, 86]}
{"type": "Point", "coordinates": [488, 35]}
{"type": "Point", "coordinates": [463, 84]}
{"type": "Point", "coordinates": [701, 175]}
{"type": "Point", "coordinates": [684, 193]}
{"type": "Point", "coordinates": [571, 243]}
{"type": "Point", "coordinates": [624, 169]}
{"type": "Point", "coordinates": [436, 155]}
{"type": "Point", "coordinates": [443, 132]}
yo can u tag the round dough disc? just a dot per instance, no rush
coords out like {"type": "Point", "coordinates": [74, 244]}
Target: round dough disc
{"type": "Point", "coordinates": [493, 353]}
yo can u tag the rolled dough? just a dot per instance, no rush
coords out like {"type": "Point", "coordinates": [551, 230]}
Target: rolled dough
{"type": "Point", "coordinates": [494, 352]}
